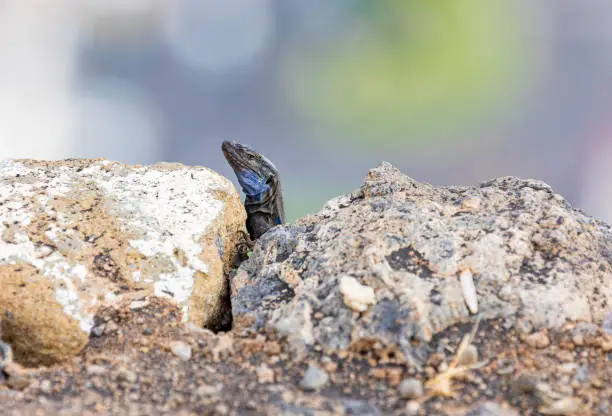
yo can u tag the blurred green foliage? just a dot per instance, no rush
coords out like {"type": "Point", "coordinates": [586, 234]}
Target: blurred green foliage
{"type": "Point", "coordinates": [309, 199]}
{"type": "Point", "coordinates": [410, 66]}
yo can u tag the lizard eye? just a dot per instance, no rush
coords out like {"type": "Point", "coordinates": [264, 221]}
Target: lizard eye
{"type": "Point", "coordinates": [251, 156]}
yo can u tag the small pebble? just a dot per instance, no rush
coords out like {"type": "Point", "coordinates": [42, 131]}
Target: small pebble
{"type": "Point", "coordinates": [412, 408]}
{"type": "Point", "coordinates": [98, 330]}
{"type": "Point", "coordinates": [207, 390]}
{"type": "Point", "coordinates": [139, 304]}
{"type": "Point", "coordinates": [95, 370]}
{"type": "Point", "coordinates": [222, 409]}
{"type": "Point", "coordinates": [357, 297]}
{"type": "Point", "coordinates": [538, 340]}
{"type": "Point", "coordinates": [45, 386]}
{"type": "Point", "coordinates": [314, 379]}
{"type": "Point", "coordinates": [565, 406]}
{"type": "Point", "coordinates": [411, 388]}
{"type": "Point", "coordinates": [181, 350]}
{"type": "Point", "coordinates": [265, 374]}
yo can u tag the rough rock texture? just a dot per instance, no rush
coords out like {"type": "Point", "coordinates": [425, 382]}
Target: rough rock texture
{"type": "Point", "coordinates": [530, 254]}
{"type": "Point", "coordinates": [306, 344]}
{"type": "Point", "coordinates": [131, 369]}
{"type": "Point", "coordinates": [76, 235]}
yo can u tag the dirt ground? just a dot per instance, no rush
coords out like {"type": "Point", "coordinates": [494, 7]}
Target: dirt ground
{"type": "Point", "coordinates": [140, 364]}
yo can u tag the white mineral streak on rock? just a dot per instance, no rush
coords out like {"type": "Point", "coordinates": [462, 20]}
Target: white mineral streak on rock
{"type": "Point", "coordinates": [469, 290]}
{"type": "Point", "coordinates": [358, 297]}
{"type": "Point", "coordinates": [54, 266]}
{"type": "Point", "coordinates": [66, 293]}
{"type": "Point", "coordinates": [158, 218]}
{"type": "Point", "coordinates": [183, 211]}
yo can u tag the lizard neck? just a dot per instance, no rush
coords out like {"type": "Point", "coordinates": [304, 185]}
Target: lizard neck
{"type": "Point", "coordinates": [269, 202]}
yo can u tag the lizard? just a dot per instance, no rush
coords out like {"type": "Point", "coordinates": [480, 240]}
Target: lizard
{"type": "Point", "coordinates": [260, 182]}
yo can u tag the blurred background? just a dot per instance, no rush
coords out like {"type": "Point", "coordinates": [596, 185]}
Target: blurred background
{"type": "Point", "coordinates": [450, 92]}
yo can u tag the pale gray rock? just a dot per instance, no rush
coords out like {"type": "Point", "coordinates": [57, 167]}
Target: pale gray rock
{"type": "Point", "coordinates": [412, 408]}
{"type": "Point", "coordinates": [410, 388]}
{"type": "Point", "coordinates": [181, 350]}
{"type": "Point", "coordinates": [529, 252]}
{"type": "Point", "coordinates": [314, 378]}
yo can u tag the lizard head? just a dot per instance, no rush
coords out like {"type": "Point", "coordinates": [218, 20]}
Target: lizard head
{"type": "Point", "coordinates": [253, 170]}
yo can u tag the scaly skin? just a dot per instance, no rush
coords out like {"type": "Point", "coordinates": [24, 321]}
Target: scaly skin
{"type": "Point", "coordinates": [260, 182]}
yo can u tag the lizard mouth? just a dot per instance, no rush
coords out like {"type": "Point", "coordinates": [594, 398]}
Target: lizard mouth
{"type": "Point", "coordinates": [229, 151]}
{"type": "Point", "coordinates": [227, 147]}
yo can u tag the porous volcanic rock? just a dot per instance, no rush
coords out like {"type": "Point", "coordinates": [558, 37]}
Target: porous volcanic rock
{"type": "Point", "coordinates": [360, 310]}
{"type": "Point", "coordinates": [76, 235]}
{"type": "Point", "coordinates": [530, 254]}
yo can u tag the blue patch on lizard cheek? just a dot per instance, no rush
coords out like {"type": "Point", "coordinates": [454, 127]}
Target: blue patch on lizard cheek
{"type": "Point", "coordinates": [252, 185]}
{"type": "Point", "coordinates": [278, 220]}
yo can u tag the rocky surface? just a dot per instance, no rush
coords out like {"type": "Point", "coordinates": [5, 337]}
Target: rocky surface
{"type": "Point", "coordinates": [399, 299]}
{"type": "Point", "coordinates": [77, 235]}
{"type": "Point", "coordinates": [421, 251]}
